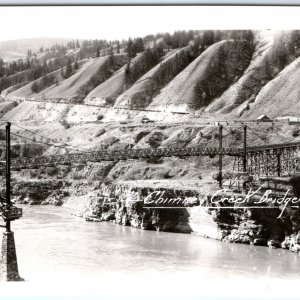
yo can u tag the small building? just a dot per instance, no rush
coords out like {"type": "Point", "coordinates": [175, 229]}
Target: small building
{"type": "Point", "coordinates": [290, 119]}
{"type": "Point", "coordinates": [294, 120]}
{"type": "Point", "coordinates": [263, 118]}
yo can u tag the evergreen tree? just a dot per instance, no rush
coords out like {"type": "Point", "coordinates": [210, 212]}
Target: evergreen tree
{"type": "Point", "coordinates": [294, 43]}
{"type": "Point", "coordinates": [130, 49]}
{"type": "Point", "coordinates": [27, 66]}
{"type": "Point", "coordinates": [69, 70]}
{"type": "Point", "coordinates": [76, 64]}
{"type": "Point", "coordinates": [128, 73]}
{"type": "Point", "coordinates": [35, 87]}
{"type": "Point", "coordinates": [98, 52]}
{"type": "Point", "coordinates": [2, 70]}
{"type": "Point", "coordinates": [138, 45]}
{"type": "Point", "coordinates": [118, 47]}
{"type": "Point", "coordinates": [44, 68]}
{"type": "Point", "coordinates": [111, 57]}
{"type": "Point", "coordinates": [268, 69]}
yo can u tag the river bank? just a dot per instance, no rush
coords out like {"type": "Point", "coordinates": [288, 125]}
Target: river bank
{"type": "Point", "coordinates": [128, 204]}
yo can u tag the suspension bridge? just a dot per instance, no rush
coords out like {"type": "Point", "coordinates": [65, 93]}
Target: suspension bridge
{"type": "Point", "coordinates": [281, 159]}
{"type": "Point", "coordinates": [263, 160]}
{"type": "Point", "coordinates": [269, 159]}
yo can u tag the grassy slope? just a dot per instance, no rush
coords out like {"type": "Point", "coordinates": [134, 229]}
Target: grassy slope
{"type": "Point", "coordinates": [26, 92]}
{"type": "Point", "coordinates": [68, 88]}
{"type": "Point", "coordinates": [249, 84]}
{"type": "Point", "coordinates": [145, 87]}
{"type": "Point", "coordinates": [281, 96]}
{"type": "Point", "coordinates": [178, 94]}
{"type": "Point", "coordinates": [111, 88]}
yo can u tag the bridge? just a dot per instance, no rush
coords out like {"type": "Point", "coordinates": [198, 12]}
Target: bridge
{"type": "Point", "coordinates": [117, 155]}
{"type": "Point", "coordinates": [271, 160]}
{"type": "Point", "coordinates": [266, 160]}
{"type": "Point", "coordinates": [263, 160]}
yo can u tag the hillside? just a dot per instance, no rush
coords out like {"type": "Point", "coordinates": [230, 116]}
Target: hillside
{"type": "Point", "coordinates": [206, 77]}
{"type": "Point", "coordinates": [16, 49]}
{"type": "Point", "coordinates": [26, 92]}
{"type": "Point", "coordinates": [250, 83]}
{"type": "Point", "coordinates": [280, 97]}
{"type": "Point", "coordinates": [148, 86]}
{"type": "Point", "coordinates": [210, 77]}
{"type": "Point", "coordinates": [108, 91]}
{"type": "Point", "coordinates": [68, 88]}
{"type": "Point", "coordinates": [214, 77]}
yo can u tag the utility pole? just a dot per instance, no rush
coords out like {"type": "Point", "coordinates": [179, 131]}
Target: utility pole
{"type": "Point", "coordinates": [220, 155]}
{"type": "Point", "coordinates": [8, 259]}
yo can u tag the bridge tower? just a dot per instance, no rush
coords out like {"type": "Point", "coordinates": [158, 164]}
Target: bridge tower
{"type": "Point", "coordinates": [8, 258]}
{"type": "Point", "coordinates": [220, 155]}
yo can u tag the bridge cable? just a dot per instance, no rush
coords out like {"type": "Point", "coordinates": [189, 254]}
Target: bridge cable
{"type": "Point", "coordinates": [44, 143]}
{"type": "Point", "coordinates": [3, 123]}
{"type": "Point", "coordinates": [50, 139]}
{"type": "Point", "coordinates": [258, 135]}
{"type": "Point", "coordinates": [53, 140]}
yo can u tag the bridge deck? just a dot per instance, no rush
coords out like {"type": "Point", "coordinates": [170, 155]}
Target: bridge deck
{"type": "Point", "coordinates": [146, 153]}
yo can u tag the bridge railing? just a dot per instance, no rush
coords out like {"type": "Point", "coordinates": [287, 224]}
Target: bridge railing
{"type": "Point", "coordinates": [107, 155]}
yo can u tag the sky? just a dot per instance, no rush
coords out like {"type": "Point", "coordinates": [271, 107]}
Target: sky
{"type": "Point", "coordinates": [121, 22]}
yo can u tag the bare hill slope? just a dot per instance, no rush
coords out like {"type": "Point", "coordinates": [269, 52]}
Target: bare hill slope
{"type": "Point", "coordinates": [206, 77]}
{"type": "Point", "coordinates": [26, 92]}
{"type": "Point", "coordinates": [281, 96]}
{"type": "Point", "coordinates": [68, 88]}
{"type": "Point", "coordinates": [254, 77]}
{"type": "Point", "coordinates": [108, 91]}
{"type": "Point", "coordinates": [149, 85]}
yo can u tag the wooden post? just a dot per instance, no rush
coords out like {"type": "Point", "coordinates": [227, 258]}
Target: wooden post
{"type": "Point", "coordinates": [220, 155]}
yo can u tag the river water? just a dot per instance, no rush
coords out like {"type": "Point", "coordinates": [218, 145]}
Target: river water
{"type": "Point", "coordinates": [53, 245]}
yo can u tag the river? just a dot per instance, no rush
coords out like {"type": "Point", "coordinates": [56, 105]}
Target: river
{"type": "Point", "coordinates": [53, 245]}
